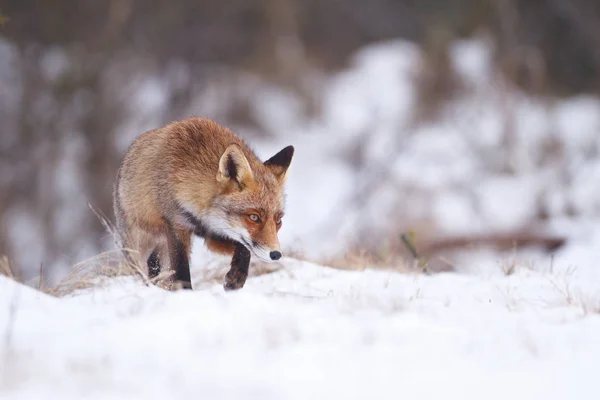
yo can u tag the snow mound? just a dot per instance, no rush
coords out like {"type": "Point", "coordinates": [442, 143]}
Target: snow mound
{"type": "Point", "coordinates": [308, 331]}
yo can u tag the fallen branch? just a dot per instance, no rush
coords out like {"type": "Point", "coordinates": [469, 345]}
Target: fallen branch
{"type": "Point", "coordinates": [498, 241]}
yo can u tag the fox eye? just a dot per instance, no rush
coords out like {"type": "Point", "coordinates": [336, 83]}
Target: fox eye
{"type": "Point", "coordinates": [254, 218]}
{"type": "Point", "coordinates": [278, 222]}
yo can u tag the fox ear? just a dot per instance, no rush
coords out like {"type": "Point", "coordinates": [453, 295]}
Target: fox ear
{"type": "Point", "coordinates": [234, 165]}
{"type": "Point", "coordinates": [280, 162]}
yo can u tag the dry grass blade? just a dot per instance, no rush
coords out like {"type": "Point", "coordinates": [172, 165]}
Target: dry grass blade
{"type": "Point", "coordinates": [408, 241]}
{"type": "Point", "coordinates": [41, 278]}
{"type": "Point", "coordinates": [95, 270]}
{"type": "Point", "coordinates": [6, 268]}
{"type": "Point", "coordinates": [361, 260]}
{"type": "Point", "coordinates": [110, 228]}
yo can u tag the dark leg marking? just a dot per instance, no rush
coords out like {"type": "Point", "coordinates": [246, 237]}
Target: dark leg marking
{"type": "Point", "coordinates": [179, 260]}
{"type": "Point", "coordinates": [236, 277]}
{"type": "Point", "coordinates": [153, 265]}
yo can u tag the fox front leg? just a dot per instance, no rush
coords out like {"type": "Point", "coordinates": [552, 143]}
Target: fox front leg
{"type": "Point", "coordinates": [179, 244]}
{"type": "Point", "coordinates": [236, 277]}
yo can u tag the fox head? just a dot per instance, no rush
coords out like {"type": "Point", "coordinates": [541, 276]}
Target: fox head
{"type": "Point", "coordinates": [250, 204]}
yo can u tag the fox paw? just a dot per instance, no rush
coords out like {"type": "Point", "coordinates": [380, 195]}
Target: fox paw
{"type": "Point", "coordinates": [234, 281]}
{"type": "Point", "coordinates": [179, 285]}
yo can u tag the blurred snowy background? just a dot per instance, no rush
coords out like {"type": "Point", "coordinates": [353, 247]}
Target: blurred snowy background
{"type": "Point", "coordinates": [473, 123]}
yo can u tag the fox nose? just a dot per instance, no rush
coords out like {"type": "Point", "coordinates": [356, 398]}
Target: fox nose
{"type": "Point", "coordinates": [275, 255]}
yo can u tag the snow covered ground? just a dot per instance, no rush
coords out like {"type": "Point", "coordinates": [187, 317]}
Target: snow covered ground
{"type": "Point", "coordinates": [305, 332]}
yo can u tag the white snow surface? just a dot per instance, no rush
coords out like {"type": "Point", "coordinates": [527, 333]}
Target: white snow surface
{"type": "Point", "coordinates": [308, 332]}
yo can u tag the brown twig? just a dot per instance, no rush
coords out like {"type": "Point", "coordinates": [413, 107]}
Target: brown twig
{"type": "Point", "coordinates": [41, 279]}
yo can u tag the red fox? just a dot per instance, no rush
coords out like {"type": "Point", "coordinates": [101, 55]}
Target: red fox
{"type": "Point", "coordinates": [197, 177]}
